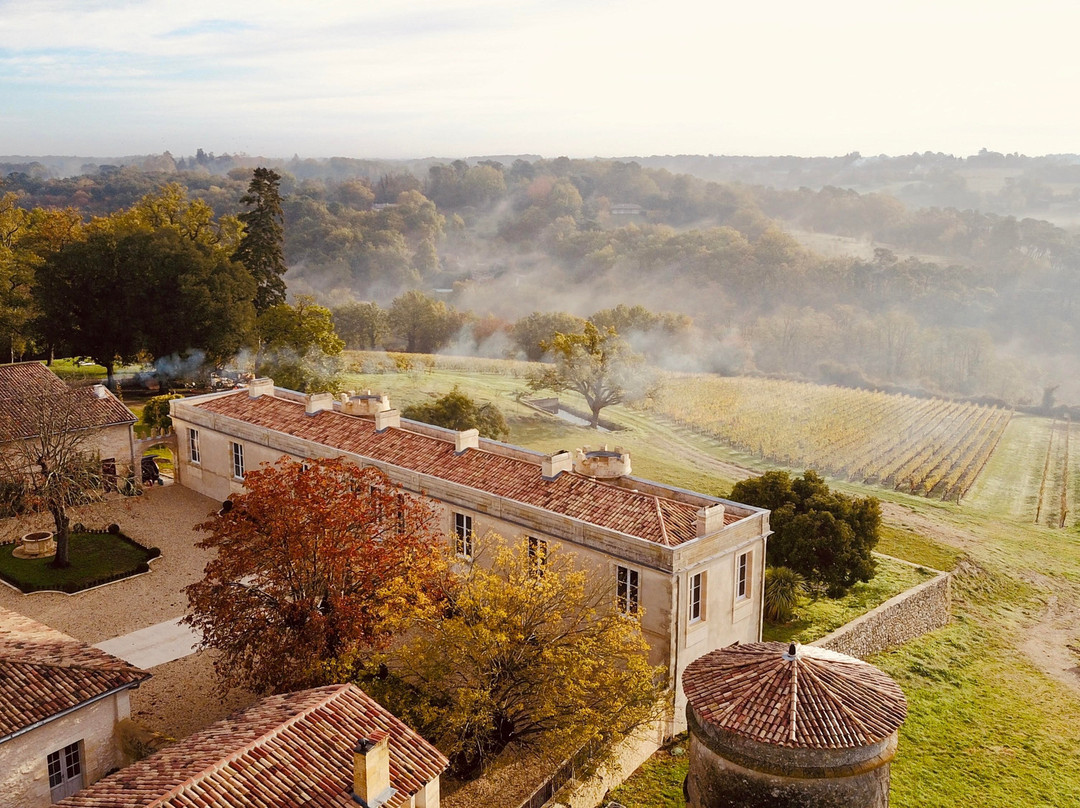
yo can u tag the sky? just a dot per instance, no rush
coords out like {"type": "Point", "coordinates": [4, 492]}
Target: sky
{"type": "Point", "coordinates": [582, 78]}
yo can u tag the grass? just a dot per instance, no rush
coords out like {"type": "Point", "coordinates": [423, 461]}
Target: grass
{"type": "Point", "coordinates": [95, 558]}
{"type": "Point", "coordinates": [658, 783]}
{"type": "Point", "coordinates": [985, 726]}
{"type": "Point", "coordinates": [903, 543]}
{"type": "Point", "coordinates": [816, 618]}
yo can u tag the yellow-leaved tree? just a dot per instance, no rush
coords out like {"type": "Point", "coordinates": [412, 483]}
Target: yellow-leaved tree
{"type": "Point", "coordinates": [530, 654]}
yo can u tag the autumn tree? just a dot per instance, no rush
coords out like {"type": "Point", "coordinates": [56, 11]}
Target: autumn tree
{"type": "Point", "coordinates": [597, 364]}
{"type": "Point", "coordinates": [422, 323]}
{"type": "Point", "coordinates": [315, 563]}
{"type": "Point", "coordinates": [298, 346]}
{"type": "Point", "coordinates": [261, 248]}
{"type": "Point", "coordinates": [51, 463]}
{"type": "Point", "coordinates": [360, 325]}
{"type": "Point", "coordinates": [531, 331]}
{"type": "Point", "coordinates": [458, 410]}
{"type": "Point", "coordinates": [529, 652]}
{"type": "Point", "coordinates": [824, 535]}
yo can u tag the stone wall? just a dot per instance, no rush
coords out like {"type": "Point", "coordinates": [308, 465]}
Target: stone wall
{"type": "Point", "coordinates": [904, 617]}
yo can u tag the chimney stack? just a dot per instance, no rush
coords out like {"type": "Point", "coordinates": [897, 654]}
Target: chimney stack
{"type": "Point", "coordinates": [387, 418]}
{"type": "Point", "coordinates": [260, 387]}
{"type": "Point", "coordinates": [317, 402]}
{"type": "Point", "coordinates": [371, 769]}
{"type": "Point", "coordinates": [555, 464]}
{"type": "Point", "coordinates": [709, 520]}
{"type": "Point", "coordinates": [468, 439]}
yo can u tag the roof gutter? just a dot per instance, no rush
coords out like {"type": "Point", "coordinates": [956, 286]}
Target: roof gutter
{"type": "Point", "coordinates": [69, 710]}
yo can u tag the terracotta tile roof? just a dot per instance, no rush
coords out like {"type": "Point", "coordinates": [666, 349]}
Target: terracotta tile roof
{"type": "Point", "coordinates": [819, 699]}
{"type": "Point", "coordinates": [24, 384]}
{"type": "Point", "coordinates": [290, 750]}
{"type": "Point", "coordinates": [665, 521]}
{"type": "Point", "coordinates": [44, 672]}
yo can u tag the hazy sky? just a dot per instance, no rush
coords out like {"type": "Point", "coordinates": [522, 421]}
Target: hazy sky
{"type": "Point", "coordinates": [403, 78]}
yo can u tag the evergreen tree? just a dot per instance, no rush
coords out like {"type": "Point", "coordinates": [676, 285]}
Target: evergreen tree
{"type": "Point", "coordinates": [261, 248]}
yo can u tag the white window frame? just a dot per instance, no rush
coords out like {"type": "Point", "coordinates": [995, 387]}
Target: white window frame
{"type": "Point", "coordinates": [696, 600]}
{"type": "Point", "coordinates": [237, 452]}
{"type": "Point", "coordinates": [193, 446]}
{"type": "Point", "coordinates": [743, 566]}
{"type": "Point", "coordinates": [65, 770]}
{"type": "Point", "coordinates": [627, 589]}
{"type": "Point", "coordinates": [463, 535]}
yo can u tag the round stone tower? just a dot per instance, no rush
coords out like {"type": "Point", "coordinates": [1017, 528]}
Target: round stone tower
{"type": "Point", "coordinates": [779, 726]}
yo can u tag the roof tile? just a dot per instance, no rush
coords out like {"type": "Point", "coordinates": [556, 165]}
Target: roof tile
{"type": "Point", "coordinates": [292, 749]}
{"type": "Point", "coordinates": [661, 520]}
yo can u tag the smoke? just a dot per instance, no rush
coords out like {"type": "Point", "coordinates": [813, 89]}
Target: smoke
{"type": "Point", "coordinates": [189, 367]}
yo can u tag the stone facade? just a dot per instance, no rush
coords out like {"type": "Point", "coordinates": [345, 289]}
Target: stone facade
{"type": "Point", "coordinates": [669, 576]}
{"type": "Point", "coordinates": [24, 774]}
{"type": "Point", "coordinates": [908, 615]}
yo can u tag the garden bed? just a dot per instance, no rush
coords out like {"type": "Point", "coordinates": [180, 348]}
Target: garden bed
{"type": "Point", "coordinates": [97, 557]}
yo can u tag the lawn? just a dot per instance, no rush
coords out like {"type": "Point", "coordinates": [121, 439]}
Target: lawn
{"type": "Point", "coordinates": [816, 618]}
{"type": "Point", "coordinates": [95, 558]}
{"type": "Point", "coordinates": [985, 726]}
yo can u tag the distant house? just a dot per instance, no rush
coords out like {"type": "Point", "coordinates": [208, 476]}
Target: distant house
{"type": "Point", "coordinates": [329, 746]}
{"type": "Point", "coordinates": [60, 702]}
{"type": "Point", "coordinates": [693, 564]}
{"type": "Point", "coordinates": [625, 209]}
{"type": "Point", "coordinates": [33, 397]}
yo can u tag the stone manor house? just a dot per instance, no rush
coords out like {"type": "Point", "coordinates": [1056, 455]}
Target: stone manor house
{"type": "Point", "coordinates": [693, 564]}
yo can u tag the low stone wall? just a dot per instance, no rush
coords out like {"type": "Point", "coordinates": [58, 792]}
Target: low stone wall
{"type": "Point", "coordinates": [904, 617]}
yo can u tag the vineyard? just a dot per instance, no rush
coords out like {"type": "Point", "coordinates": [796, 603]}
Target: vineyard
{"type": "Point", "coordinates": [1052, 508]}
{"type": "Point", "coordinates": [928, 447]}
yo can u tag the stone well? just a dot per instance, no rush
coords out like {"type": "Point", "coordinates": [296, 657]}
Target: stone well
{"type": "Point", "coordinates": [39, 544]}
{"type": "Point", "coordinates": [779, 726]}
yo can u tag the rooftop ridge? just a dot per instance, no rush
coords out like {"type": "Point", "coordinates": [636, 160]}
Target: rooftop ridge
{"type": "Point", "coordinates": [608, 504]}
{"type": "Point", "coordinates": [221, 763]}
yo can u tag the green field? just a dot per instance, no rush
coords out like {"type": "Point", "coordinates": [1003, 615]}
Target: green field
{"type": "Point", "coordinates": [994, 716]}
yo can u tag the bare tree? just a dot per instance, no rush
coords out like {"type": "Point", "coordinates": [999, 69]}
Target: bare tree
{"type": "Point", "coordinates": [50, 460]}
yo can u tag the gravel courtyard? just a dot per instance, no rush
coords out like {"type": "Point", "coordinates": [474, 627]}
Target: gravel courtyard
{"type": "Point", "coordinates": [181, 697]}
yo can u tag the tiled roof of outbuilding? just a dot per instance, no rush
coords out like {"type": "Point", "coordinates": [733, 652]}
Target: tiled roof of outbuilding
{"type": "Point", "coordinates": [665, 521]}
{"type": "Point", "coordinates": [25, 384]}
{"type": "Point", "coordinates": [817, 699]}
{"type": "Point", "coordinates": [44, 672]}
{"type": "Point", "coordinates": [289, 750]}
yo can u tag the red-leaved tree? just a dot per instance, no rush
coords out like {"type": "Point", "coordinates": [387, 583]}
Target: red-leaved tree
{"type": "Point", "coordinates": [316, 564]}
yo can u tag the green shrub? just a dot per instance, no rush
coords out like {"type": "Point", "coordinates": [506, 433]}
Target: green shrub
{"type": "Point", "coordinates": [783, 589]}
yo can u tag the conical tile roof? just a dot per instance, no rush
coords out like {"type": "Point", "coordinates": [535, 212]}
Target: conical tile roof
{"type": "Point", "coordinates": [794, 696]}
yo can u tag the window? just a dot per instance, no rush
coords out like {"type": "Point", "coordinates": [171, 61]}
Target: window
{"type": "Point", "coordinates": [65, 771]}
{"type": "Point", "coordinates": [742, 576]}
{"type": "Point", "coordinates": [237, 461]}
{"type": "Point", "coordinates": [538, 551]}
{"type": "Point", "coordinates": [463, 535]}
{"type": "Point", "coordinates": [193, 444]}
{"type": "Point", "coordinates": [626, 590]}
{"type": "Point", "coordinates": [695, 597]}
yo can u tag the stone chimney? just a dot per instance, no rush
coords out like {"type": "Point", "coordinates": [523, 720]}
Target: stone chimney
{"type": "Point", "coordinates": [555, 464]}
{"type": "Point", "coordinates": [387, 418]}
{"type": "Point", "coordinates": [602, 463]}
{"type": "Point", "coordinates": [100, 391]}
{"type": "Point", "coordinates": [709, 520]}
{"type": "Point", "coordinates": [371, 769]}
{"type": "Point", "coordinates": [317, 402]}
{"type": "Point", "coordinates": [260, 387]}
{"type": "Point", "coordinates": [366, 403]}
{"type": "Point", "coordinates": [469, 439]}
